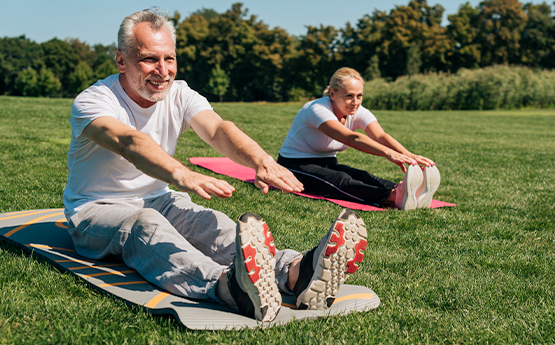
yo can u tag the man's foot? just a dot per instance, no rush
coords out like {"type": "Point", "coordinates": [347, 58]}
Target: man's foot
{"type": "Point", "coordinates": [325, 267]}
{"type": "Point", "coordinates": [429, 187]}
{"type": "Point", "coordinates": [405, 197]}
{"type": "Point", "coordinates": [251, 277]}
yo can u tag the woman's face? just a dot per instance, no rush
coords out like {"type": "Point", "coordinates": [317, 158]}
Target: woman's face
{"type": "Point", "coordinates": [346, 100]}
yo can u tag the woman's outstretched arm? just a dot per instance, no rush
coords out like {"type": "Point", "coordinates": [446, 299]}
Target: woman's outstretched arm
{"type": "Point", "coordinates": [364, 143]}
{"type": "Point", "coordinates": [376, 132]}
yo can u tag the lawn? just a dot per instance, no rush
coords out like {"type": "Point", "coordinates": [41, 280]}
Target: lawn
{"type": "Point", "coordinates": [481, 272]}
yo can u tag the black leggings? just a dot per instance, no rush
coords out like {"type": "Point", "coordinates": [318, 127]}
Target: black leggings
{"type": "Point", "coordinates": [323, 176]}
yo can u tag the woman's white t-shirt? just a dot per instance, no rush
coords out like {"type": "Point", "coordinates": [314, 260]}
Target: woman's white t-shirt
{"type": "Point", "coordinates": [305, 140]}
{"type": "Point", "coordinates": [96, 173]}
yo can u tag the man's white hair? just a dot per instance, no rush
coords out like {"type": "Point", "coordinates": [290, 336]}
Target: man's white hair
{"type": "Point", "coordinates": [155, 16]}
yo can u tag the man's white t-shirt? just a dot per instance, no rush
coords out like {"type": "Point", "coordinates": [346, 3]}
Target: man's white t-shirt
{"type": "Point", "coordinates": [305, 140]}
{"type": "Point", "coordinates": [96, 173]}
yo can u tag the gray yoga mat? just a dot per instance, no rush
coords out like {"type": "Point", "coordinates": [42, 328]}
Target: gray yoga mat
{"type": "Point", "coordinates": [43, 232]}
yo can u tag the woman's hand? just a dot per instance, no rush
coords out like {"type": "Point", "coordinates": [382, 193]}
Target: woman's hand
{"type": "Point", "coordinates": [400, 159]}
{"type": "Point", "coordinates": [422, 160]}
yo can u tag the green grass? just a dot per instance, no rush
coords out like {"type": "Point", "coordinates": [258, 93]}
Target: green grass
{"type": "Point", "coordinates": [482, 272]}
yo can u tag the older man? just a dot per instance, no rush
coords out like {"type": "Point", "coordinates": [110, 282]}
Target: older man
{"type": "Point", "coordinates": [124, 134]}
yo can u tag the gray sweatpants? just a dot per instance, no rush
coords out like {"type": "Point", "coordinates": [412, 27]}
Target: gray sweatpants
{"type": "Point", "coordinates": [172, 242]}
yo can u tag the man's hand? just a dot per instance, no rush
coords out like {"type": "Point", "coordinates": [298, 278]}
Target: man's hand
{"type": "Point", "coordinates": [139, 149]}
{"type": "Point", "coordinates": [269, 173]}
{"type": "Point", "coordinates": [230, 141]}
{"type": "Point", "coordinates": [202, 185]}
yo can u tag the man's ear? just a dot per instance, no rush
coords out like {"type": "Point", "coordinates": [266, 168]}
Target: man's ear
{"type": "Point", "coordinates": [120, 61]}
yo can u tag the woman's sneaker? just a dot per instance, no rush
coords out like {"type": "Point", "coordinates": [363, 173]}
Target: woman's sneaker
{"type": "Point", "coordinates": [405, 197]}
{"type": "Point", "coordinates": [325, 267]}
{"type": "Point", "coordinates": [429, 187]}
{"type": "Point", "coordinates": [251, 277]}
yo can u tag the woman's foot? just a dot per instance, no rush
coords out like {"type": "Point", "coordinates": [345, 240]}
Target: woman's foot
{"type": "Point", "coordinates": [405, 195]}
{"type": "Point", "coordinates": [429, 187]}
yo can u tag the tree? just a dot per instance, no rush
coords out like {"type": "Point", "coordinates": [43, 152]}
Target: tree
{"type": "Point", "coordinates": [48, 84]}
{"type": "Point", "coordinates": [463, 31]}
{"type": "Point", "coordinates": [252, 54]}
{"type": "Point", "coordinates": [318, 57]}
{"type": "Point", "coordinates": [83, 50]}
{"type": "Point", "coordinates": [417, 24]}
{"type": "Point", "coordinates": [80, 79]}
{"type": "Point", "coordinates": [501, 23]}
{"type": "Point", "coordinates": [104, 63]}
{"type": "Point", "coordinates": [62, 59]}
{"type": "Point", "coordinates": [18, 54]}
{"type": "Point", "coordinates": [106, 69]}
{"type": "Point", "coordinates": [175, 18]}
{"type": "Point", "coordinates": [3, 69]}
{"type": "Point", "coordinates": [360, 44]}
{"type": "Point", "coordinates": [373, 70]}
{"type": "Point", "coordinates": [395, 37]}
{"type": "Point", "coordinates": [31, 83]}
{"type": "Point", "coordinates": [206, 13]}
{"type": "Point", "coordinates": [413, 59]}
{"type": "Point", "coordinates": [26, 83]}
{"type": "Point", "coordinates": [219, 82]}
{"type": "Point", "coordinates": [538, 37]}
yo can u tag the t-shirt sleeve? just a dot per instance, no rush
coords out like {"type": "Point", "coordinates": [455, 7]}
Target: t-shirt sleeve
{"type": "Point", "coordinates": [193, 103]}
{"type": "Point", "coordinates": [317, 114]}
{"type": "Point", "coordinates": [363, 117]}
{"type": "Point", "coordinates": [89, 105]}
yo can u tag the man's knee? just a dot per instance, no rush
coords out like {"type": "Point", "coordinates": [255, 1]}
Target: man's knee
{"type": "Point", "coordinates": [145, 222]}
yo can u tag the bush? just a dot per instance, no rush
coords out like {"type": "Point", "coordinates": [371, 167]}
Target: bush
{"type": "Point", "coordinates": [496, 87]}
{"type": "Point", "coordinates": [297, 94]}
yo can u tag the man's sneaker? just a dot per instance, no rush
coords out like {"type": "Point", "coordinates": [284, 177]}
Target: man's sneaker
{"type": "Point", "coordinates": [428, 188]}
{"type": "Point", "coordinates": [405, 197]}
{"type": "Point", "coordinates": [325, 267]}
{"type": "Point", "coordinates": [251, 277]}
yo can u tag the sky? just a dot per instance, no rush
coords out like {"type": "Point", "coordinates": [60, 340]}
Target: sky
{"type": "Point", "coordinates": [98, 21]}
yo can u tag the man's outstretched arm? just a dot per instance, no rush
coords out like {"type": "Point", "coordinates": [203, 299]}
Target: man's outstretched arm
{"type": "Point", "coordinates": [230, 141]}
{"type": "Point", "coordinates": [139, 149]}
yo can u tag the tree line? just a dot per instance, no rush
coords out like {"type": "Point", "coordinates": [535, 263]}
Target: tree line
{"type": "Point", "coordinates": [234, 56]}
{"type": "Point", "coordinates": [52, 69]}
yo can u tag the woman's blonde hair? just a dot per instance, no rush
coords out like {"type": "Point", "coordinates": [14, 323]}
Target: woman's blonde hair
{"type": "Point", "coordinates": [340, 76]}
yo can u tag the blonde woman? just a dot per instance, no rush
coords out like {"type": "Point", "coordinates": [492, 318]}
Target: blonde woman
{"type": "Point", "coordinates": [327, 125]}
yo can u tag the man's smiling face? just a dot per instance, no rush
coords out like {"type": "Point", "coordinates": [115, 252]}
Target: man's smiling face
{"type": "Point", "coordinates": [149, 70]}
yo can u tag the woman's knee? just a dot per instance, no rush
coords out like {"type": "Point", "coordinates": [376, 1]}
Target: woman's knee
{"type": "Point", "coordinates": [344, 180]}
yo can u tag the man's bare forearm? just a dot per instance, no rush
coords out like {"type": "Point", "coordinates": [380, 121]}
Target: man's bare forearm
{"type": "Point", "coordinates": [150, 158]}
{"type": "Point", "coordinates": [230, 141]}
{"type": "Point", "coordinates": [239, 147]}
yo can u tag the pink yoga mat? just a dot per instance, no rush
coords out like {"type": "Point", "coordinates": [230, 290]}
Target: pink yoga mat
{"type": "Point", "coordinates": [225, 166]}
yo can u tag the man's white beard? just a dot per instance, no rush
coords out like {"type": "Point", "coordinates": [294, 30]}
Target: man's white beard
{"type": "Point", "coordinates": [157, 96]}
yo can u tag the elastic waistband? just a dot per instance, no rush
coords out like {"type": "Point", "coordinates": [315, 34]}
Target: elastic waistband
{"type": "Point", "coordinates": [322, 161]}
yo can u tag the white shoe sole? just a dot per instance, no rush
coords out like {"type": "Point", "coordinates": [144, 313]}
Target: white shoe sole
{"type": "Point", "coordinates": [431, 184]}
{"type": "Point", "coordinates": [345, 246]}
{"type": "Point", "coordinates": [255, 252]}
{"type": "Point", "coordinates": [413, 180]}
